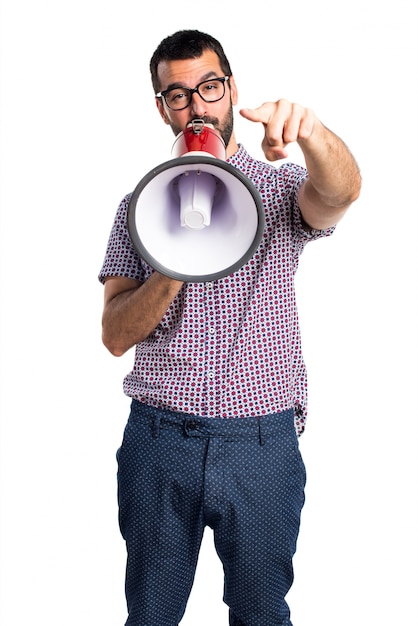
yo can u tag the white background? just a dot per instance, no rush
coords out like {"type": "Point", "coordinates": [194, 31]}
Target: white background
{"type": "Point", "coordinates": [79, 129]}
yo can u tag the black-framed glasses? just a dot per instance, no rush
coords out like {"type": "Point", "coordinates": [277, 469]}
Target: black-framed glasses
{"type": "Point", "coordinates": [179, 98]}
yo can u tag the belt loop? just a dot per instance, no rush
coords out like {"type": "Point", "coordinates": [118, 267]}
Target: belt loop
{"type": "Point", "coordinates": [260, 432]}
{"type": "Point", "coordinates": [156, 426]}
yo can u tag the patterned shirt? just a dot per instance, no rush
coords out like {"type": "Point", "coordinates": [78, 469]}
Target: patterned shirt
{"type": "Point", "coordinates": [231, 347]}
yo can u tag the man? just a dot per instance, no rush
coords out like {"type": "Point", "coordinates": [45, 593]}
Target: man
{"type": "Point", "coordinates": [218, 384]}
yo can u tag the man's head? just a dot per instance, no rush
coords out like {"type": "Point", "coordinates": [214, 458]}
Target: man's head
{"type": "Point", "coordinates": [186, 60]}
{"type": "Point", "coordinates": [186, 44]}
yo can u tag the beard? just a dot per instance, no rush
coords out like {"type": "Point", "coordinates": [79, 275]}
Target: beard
{"type": "Point", "coordinates": [224, 128]}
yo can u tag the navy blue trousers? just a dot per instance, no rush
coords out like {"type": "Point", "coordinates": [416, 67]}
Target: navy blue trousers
{"type": "Point", "coordinates": [243, 477]}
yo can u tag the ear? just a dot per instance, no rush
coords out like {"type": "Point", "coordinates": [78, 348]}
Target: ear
{"type": "Point", "coordinates": [160, 107]}
{"type": "Point", "coordinates": [234, 90]}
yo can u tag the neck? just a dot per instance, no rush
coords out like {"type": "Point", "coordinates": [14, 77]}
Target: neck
{"type": "Point", "coordinates": [232, 146]}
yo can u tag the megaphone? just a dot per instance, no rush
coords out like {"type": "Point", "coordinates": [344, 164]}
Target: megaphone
{"type": "Point", "coordinates": [196, 218]}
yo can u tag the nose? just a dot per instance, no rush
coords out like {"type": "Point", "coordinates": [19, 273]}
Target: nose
{"type": "Point", "coordinates": [198, 106]}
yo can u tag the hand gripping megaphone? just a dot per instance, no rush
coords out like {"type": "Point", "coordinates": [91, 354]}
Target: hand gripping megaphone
{"type": "Point", "coordinates": [196, 218]}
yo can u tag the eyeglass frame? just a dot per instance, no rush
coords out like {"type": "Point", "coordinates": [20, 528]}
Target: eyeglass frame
{"type": "Point", "coordinates": [221, 79]}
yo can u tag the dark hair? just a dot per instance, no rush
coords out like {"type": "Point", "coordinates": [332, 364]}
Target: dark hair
{"type": "Point", "coordinates": [186, 44]}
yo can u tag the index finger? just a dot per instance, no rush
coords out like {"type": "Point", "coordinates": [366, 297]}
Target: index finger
{"type": "Point", "coordinates": [261, 114]}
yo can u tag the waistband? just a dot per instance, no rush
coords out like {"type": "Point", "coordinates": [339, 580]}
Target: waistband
{"type": "Point", "coordinates": [199, 426]}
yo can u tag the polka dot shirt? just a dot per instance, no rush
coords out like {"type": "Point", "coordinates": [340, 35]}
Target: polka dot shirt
{"type": "Point", "coordinates": [231, 347]}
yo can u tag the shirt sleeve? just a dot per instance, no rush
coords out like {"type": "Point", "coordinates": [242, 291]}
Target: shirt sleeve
{"type": "Point", "coordinates": [121, 258]}
{"type": "Point", "coordinates": [295, 176]}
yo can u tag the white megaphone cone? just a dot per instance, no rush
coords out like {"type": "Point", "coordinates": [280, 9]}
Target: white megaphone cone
{"type": "Point", "coordinates": [196, 218]}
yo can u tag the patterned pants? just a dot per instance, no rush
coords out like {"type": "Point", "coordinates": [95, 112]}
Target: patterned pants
{"type": "Point", "coordinates": [243, 477]}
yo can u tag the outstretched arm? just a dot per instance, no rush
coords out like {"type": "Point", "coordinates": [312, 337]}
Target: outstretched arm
{"type": "Point", "coordinates": [334, 178]}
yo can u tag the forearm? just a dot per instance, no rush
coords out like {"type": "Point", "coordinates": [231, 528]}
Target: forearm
{"type": "Point", "coordinates": [131, 315]}
{"type": "Point", "coordinates": [334, 177]}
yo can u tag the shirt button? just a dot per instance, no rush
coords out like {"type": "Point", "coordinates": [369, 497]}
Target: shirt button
{"type": "Point", "coordinates": [211, 375]}
{"type": "Point", "coordinates": [212, 330]}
